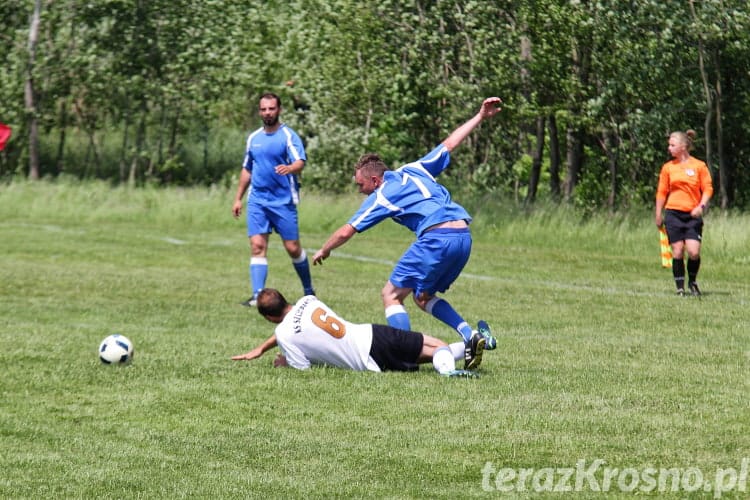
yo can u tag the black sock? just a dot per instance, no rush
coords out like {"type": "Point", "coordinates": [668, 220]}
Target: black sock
{"type": "Point", "coordinates": [678, 271]}
{"type": "Point", "coordinates": [692, 269]}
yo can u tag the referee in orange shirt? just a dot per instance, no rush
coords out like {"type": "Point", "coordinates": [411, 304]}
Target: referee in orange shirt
{"type": "Point", "coordinates": [683, 193]}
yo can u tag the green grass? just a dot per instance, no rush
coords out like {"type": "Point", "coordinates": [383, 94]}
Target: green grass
{"type": "Point", "coordinates": [597, 359]}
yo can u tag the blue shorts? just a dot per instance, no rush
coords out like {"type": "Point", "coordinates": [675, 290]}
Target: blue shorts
{"type": "Point", "coordinates": [433, 262]}
{"type": "Point", "coordinates": [261, 219]}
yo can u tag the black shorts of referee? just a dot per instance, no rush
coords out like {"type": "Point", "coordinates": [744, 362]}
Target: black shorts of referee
{"type": "Point", "coordinates": [682, 226]}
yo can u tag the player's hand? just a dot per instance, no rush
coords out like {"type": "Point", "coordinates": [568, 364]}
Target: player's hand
{"type": "Point", "coordinates": [280, 361]}
{"type": "Point", "coordinates": [320, 256]}
{"type": "Point", "coordinates": [283, 169]}
{"type": "Point", "coordinates": [490, 107]}
{"type": "Point", "coordinates": [237, 209]}
{"type": "Point", "coordinates": [255, 353]}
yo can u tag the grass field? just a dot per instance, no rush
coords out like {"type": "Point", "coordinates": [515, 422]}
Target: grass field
{"type": "Point", "coordinates": [598, 361]}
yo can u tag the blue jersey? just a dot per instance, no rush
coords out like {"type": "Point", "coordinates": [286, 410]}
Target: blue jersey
{"type": "Point", "coordinates": [412, 197]}
{"type": "Point", "coordinates": [263, 153]}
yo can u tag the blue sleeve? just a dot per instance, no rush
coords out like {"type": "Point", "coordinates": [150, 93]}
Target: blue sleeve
{"type": "Point", "coordinates": [295, 147]}
{"type": "Point", "coordinates": [436, 160]}
{"type": "Point", "coordinates": [247, 163]}
{"type": "Point", "coordinates": [370, 213]}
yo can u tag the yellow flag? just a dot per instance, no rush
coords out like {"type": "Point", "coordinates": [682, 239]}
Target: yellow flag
{"type": "Point", "coordinates": [666, 249]}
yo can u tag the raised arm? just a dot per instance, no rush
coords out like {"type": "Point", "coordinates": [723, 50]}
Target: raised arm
{"type": "Point", "coordinates": [490, 107]}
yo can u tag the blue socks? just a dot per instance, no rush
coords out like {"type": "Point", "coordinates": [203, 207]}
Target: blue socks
{"type": "Point", "coordinates": [302, 266]}
{"type": "Point", "coordinates": [443, 311]}
{"type": "Point", "coordinates": [397, 317]}
{"type": "Point", "coordinates": [258, 274]}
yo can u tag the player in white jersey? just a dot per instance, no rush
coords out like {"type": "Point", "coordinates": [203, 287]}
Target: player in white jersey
{"type": "Point", "coordinates": [311, 333]}
{"type": "Point", "coordinates": [274, 157]}
{"type": "Point", "coordinates": [411, 196]}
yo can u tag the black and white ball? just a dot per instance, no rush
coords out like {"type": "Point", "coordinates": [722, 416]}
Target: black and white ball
{"type": "Point", "coordinates": [116, 350]}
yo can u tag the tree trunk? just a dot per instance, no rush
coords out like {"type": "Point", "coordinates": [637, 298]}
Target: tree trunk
{"type": "Point", "coordinates": [125, 144]}
{"type": "Point", "coordinates": [140, 140]}
{"type": "Point", "coordinates": [574, 160]}
{"type": "Point", "coordinates": [706, 93]}
{"type": "Point", "coordinates": [60, 159]}
{"type": "Point", "coordinates": [608, 142]}
{"type": "Point", "coordinates": [554, 158]}
{"type": "Point", "coordinates": [30, 96]}
{"type": "Point", "coordinates": [725, 179]}
{"type": "Point", "coordinates": [536, 162]}
{"type": "Point", "coordinates": [581, 57]}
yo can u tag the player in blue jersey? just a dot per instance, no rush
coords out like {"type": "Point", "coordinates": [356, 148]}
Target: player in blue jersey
{"type": "Point", "coordinates": [274, 157]}
{"type": "Point", "coordinates": [412, 197]}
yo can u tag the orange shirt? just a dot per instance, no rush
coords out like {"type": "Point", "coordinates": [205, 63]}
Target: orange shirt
{"type": "Point", "coordinates": [683, 184]}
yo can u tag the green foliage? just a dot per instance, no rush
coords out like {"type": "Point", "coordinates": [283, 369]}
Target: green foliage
{"type": "Point", "coordinates": [145, 92]}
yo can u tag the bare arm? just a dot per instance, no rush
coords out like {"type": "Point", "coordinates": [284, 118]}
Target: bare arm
{"type": "Point", "coordinates": [701, 208]}
{"type": "Point", "coordinates": [293, 168]}
{"type": "Point", "coordinates": [658, 217]}
{"type": "Point", "coordinates": [338, 238]}
{"type": "Point", "coordinates": [257, 352]}
{"type": "Point", "coordinates": [490, 107]}
{"type": "Point", "coordinates": [245, 177]}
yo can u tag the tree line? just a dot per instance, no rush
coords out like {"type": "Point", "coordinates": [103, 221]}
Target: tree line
{"type": "Point", "coordinates": [164, 91]}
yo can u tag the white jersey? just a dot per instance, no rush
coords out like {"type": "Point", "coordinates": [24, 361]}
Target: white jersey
{"type": "Point", "coordinates": [312, 334]}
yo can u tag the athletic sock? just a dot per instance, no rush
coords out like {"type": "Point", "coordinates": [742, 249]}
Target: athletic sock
{"type": "Point", "coordinates": [443, 311]}
{"type": "Point", "coordinates": [692, 268]}
{"type": "Point", "coordinates": [458, 349]}
{"type": "Point", "coordinates": [258, 274]}
{"type": "Point", "coordinates": [397, 317]}
{"type": "Point", "coordinates": [678, 271]}
{"type": "Point", "coordinates": [302, 266]}
{"type": "Point", "coordinates": [443, 360]}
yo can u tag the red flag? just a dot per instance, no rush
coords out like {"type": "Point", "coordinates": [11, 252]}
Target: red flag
{"type": "Point", "coordinates": [4, 135]}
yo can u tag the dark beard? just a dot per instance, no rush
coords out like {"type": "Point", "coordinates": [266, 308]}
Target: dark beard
{"type": "Point", "coordinates": [270, 122]}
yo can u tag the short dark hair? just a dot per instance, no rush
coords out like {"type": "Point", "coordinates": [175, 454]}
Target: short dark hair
{"type": "Point", "coordinates": [271, 95]}
{"type": "Point", "coordinates": [271, 302]}
{"type": "Point", "coordinates": [372, 164]}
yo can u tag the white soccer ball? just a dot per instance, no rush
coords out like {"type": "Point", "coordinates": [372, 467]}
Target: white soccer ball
{"type": "Point", "coordinates": [116, 350]}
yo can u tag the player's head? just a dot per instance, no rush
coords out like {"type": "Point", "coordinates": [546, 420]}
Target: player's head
{"type": "Point", "coordinates": [272, 305]}
{"type": "Point", "coordinates": [681, 142]}
{"type": "Point", "coordinates": [368, 174]}
{"type": "Point", "coordinates": [269, 108]}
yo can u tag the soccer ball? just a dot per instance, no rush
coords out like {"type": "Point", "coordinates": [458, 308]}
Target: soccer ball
{"type": "Point", "coordinates": [116, 350]}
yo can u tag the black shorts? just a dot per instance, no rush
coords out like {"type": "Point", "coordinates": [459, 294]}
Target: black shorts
{"type": "Point", "coordinates": [394, 349]}
{"type": "Point", "coordinates": [682, 226]}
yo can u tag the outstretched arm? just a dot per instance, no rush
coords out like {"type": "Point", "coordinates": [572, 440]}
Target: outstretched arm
{"type": "Point", "coordinates": [338, 238]}
{"type": "Point", "coordinates": [269, 343]}
{"type": "Point", "coordinates": [490, 107]}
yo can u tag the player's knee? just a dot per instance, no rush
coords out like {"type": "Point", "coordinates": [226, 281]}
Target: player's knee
{"type": "Point", "coordinates": [390, 295]}
{"type": "Point", "coordinates": [293, 248]}
{"type": "Point", "coordinates": [421, 299]}
{"type": "Point", "coordinates": [258, 246]}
